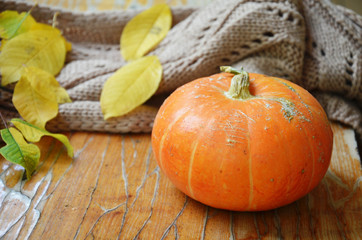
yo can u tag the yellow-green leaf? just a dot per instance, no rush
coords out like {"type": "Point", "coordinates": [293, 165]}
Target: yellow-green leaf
{"type": "Point", "coordinates": [33, 134]}
{"type": "Point", "coordinates": [19, 151]}
{"type": "Point", "coordinates": [145, 31]}
{"type": "Point", "coordinates": [33, 100]}
{"type": "Point", "coordinates": [45, 49]}
{"type": "Point", "coordinates": [130, 86]}
{"type": "Point", "coordinates": [12, 23]}
{"type": "Point", "coordinates": [38, 76]}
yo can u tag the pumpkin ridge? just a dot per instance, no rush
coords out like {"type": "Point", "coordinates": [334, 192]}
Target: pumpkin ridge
{"type": "Point", "coordinates": [192, 158]}
{"type": "Point", "coordinates": [303, 129]}
{"type": "Point", "coordinates": [288, 156]}
{"type": "Point", "coordinates": [285, 154]}
{"type": "Point", "coordinates": [251, 183]}
{"type": "Point", "coordinates": [287, 107]}
{"type": "Point", "coordinates": [313, 158]}
{"type": "Point", "coordinates": [164, 137]}
{"type": "Point", "coordinates": [298, 95]}
{"type": "Point", "coordinates": [249, 121]}
{"type": "Point", "coordinates": [217, 89]}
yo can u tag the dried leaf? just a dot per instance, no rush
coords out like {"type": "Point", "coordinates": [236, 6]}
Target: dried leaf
{"type": "Point", "coordinates": [33, 134]}
{"type": "Point", "coordinates": [145, 31]}
{"type": "Point", "coordinates": [12, 23]}
{"type": "Point", "coordinates": [33, 100]}
{"type": "Point", "coordinates": [19, 151]}
{"type": "Point", "coordinates": [45, 49]}
{"type": "Point", "coordinates": [130, 86]}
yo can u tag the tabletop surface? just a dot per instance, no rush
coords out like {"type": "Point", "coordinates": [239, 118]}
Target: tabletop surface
{"type": "Point", "coordinates": [113, 189]}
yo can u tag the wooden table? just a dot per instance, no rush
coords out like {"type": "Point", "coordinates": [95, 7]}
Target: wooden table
{"type": "Point", "coordinates": [113, 189]}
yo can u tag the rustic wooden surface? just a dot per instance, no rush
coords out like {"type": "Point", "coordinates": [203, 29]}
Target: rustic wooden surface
{"type": "Point", "coordinates": [113, 189]}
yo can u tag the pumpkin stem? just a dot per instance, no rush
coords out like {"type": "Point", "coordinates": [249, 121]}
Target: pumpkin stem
{"type": "Point", "coordinates": [239, 87]}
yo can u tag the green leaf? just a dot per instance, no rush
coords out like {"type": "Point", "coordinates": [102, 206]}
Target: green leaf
{"type": "Point", "coordinates": [130, 86]}
{"type": "Point", "coordinates": [145, 31]}
{"type": "Point", "coordinates": [45, 49]}
{"type": "Point", "coordinates": [33, 134]}
{"type": "Point", "coordinates": [12, 23]}
{"type": "Point", "coordinates": [19, 151]}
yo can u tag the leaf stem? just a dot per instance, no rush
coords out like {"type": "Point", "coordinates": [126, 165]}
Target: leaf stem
{"type": "Point", "coordinates": [4, 122]}
{"type": "Point", "coordinates": [55, 23]}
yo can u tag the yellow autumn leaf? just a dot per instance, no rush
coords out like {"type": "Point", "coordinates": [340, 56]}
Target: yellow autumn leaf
{"type": "Point", "coordinates": [34, 134]}
{"type": "Point", "coordinates": [45, 49]}
{"type": "Point", "coordinates": [145, 31]}
{"type": "Point", "coordinates": [42, 26]}
{"type": "Point", "coordinates": [12, 23]}
{"type": "Point", "coordinates": [35, 74]}
{"type": "Point", "coordinates": [33, 100]}
{"type": "Point", "coordinates": [130, 86]}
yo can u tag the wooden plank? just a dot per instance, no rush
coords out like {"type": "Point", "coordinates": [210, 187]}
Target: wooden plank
{"type": "Point", "coordinates": [113, 189]}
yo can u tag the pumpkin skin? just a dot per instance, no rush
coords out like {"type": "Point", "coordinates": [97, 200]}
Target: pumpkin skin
{"type": "Point", "coordinates": [245, 155]}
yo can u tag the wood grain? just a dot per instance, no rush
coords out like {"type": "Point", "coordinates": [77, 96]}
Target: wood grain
{"type": "Point", "coordinates": [113, 189]}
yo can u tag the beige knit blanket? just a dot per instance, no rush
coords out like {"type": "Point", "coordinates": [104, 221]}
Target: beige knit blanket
{"type": "Point", "coordinates": [311, 42]}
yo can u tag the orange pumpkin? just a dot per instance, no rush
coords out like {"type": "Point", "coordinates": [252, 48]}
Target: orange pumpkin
{"type": "Point", "coordinates": [245, 142]}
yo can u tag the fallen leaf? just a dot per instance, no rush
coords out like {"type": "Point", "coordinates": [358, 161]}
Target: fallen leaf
{"type": "Point", "coordinates": [33, 100]}
{"type": "Point", "coordinates": [19, 151]}
{"type": "Point", "coordinates": [130, 86]}
{"type": "Point", "coordinates": [145, 31]}
{"type": "Point", "coordinates": [39, 76]}
{"type": "Point", "coordinates": [12, 23]}
{"type": "Point", "coordinates": [45, 49]}
{"type": "Point", "coordinates": [34, 134]}
{"type": "Point", "coordinates": [42, 26]}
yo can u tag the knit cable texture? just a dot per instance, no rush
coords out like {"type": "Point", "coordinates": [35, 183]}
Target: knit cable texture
{"type": "Point", "coordinates": [310, 42]}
